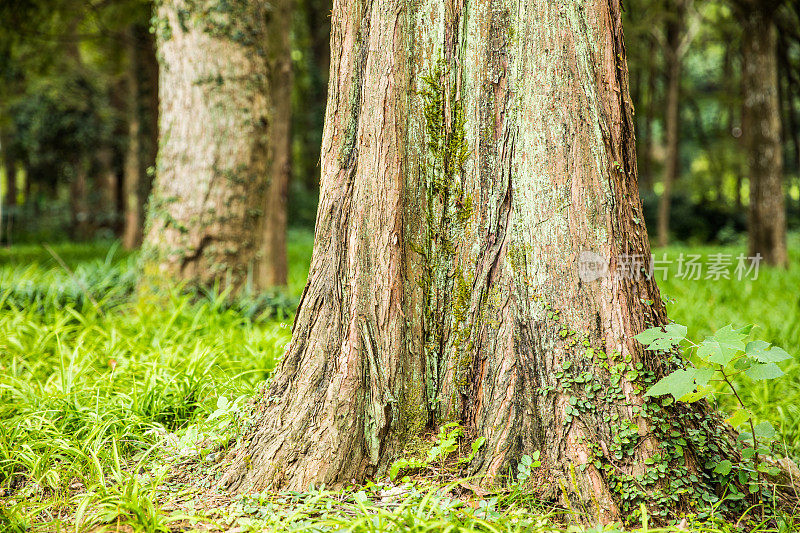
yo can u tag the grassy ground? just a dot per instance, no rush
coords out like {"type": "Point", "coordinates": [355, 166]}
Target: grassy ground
{"type": "Point", "coordinates": [99, 395]}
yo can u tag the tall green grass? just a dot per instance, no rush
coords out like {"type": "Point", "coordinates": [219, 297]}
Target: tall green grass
{"type": "Point", "coordinates": [91, 379]}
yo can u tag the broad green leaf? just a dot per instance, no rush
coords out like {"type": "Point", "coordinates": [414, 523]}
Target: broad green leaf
{"type": "Point", "coordinates": [402, 464]}
{"type": "Point", "coordinates": [765, 430]}
{"type": "Point", "coordinates": [722, 346]}
{"type": "Point", "coordinates": [662, 339]}
{"type": "Point", "coordinates": [723, 467]}
{"type": "Point", "coordinates": [759, 372]}
{"type": "Point", "coordinates": [745, 330]}
{"type": "Point", "coordinates": [761, 352]}
{"type": "Point", "coordinates": [679, 383]}
{"type": "Point", "coordinates": [739, 417]}
{"type": "Point", "coordinates": [692, 397]}
{"type": "Point", "coordinates": [703, 375]}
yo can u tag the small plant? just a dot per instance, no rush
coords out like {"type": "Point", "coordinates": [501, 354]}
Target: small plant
{"type": "Point", "coordinates": [476, 446]}
{"type": "Point", "coordinates": [721, 358]}
{"type": "Point", "coordinates": [526, 464]}
{"type": "Point", "coordinates": [446, 445]}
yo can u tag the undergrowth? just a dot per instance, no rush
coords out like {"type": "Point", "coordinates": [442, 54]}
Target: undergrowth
{"type": "Point", "coordinates": [101, 393]}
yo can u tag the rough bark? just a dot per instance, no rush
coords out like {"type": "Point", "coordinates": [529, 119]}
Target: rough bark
{"type": "Point", "coordinates": [217, 158]}
{"type": "Point", "coordinates": [142, 119]}
{"type": "Point", "coordinates": [472, 152]}
{"type": "Point", "coordinates": [762, 132]}
{"type": "Point", "coordinates": [674, 59]}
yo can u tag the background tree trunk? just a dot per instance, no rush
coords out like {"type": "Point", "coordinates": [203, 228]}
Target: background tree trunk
{"type": "Point", "coordinates": [674, 57]}
{"type": "Point", "coordinates": [216, 161]}
{"type": "Point", "coordinates": [142, 112]}
{"type": "Point", "coordinates": [10, 168]}
{"type": "Point", "coordinates": [81, 214]}
{"type": "Point", "coordinates": [762, 131]}
{"type": "Point", "coordinates": [104, 197]}
{"type": "Point", "coordinates": [272, 264]}
{"type": "Point", "coordinates": [471, 159]}
{"type": "Point", "coordinates": [646, 175]}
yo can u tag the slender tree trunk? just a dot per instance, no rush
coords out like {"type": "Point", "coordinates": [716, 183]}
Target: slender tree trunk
{"type": "Point", "coordinates": [10, 167]}
{"type": "Point", "coordinates": [11, 177]}
{"type": "Point", "coordinates": [142, 112]}
{"type": "Point", "coordinates": [672, 116]}
{"type": "Point", "coordinates": [134, 174]}
{"type": "Point", "coordinates": [646, 173]}
{"type": "Point", "coordinates": [26, 190]}
{"type": "Point", "coordinates": [104, 197]}
{"type": "Point", "coordinates": [81, 214]}
{"type": "Point", "coordinates": [762, 131]}
{"type": "Point", "coordinates": [472, 157]}
{"type": "Point", "coordinates": [315, 17]}
{"type": "Point", "coordinates": [217, 162]}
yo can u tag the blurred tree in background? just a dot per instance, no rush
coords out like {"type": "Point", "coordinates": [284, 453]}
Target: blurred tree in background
{"type": "Point", "coordinates": [64, 111]}
{"type": "Point", "coordinates": [93, 64]}
{"type": "Point", "coordinates": [693, 147]}
{"type": "Point", "coordinates": [217, 215]}
{"type": "Point", "coordinates": [310, 56]}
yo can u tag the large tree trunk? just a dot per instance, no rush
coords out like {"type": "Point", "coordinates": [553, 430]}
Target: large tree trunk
{"type": "Point", "coordinates": [674, 57]}
{"type": "Point", "coordinates": [142, 112]}
{"type": "Point", "coordinates": [217, 156]}
{"type": "Point", "coordinates": [471, 159]}
{"type": "Point", "coordinates": [762, 131]}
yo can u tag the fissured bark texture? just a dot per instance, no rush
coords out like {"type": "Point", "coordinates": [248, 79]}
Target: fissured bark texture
{"type": "Point", "coordinates": [473, 151]}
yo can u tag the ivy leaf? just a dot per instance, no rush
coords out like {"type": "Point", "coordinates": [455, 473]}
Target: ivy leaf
{"type": "Point", "coordinates": [723, 467]}
{"type": "Point", "coordinates": [722, 346]}
{"type": "Point", "coordinates": [681, 382]}
{"type": "Point", "coordinates": [662, 339]}
{"type": "Point", "coordinates": [759, 372]}
{"type": "Point", "coordinates": [760, 351]}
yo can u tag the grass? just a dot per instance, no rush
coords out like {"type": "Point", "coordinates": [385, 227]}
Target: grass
{"type": "Point", "coordinates": [100, 395]}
